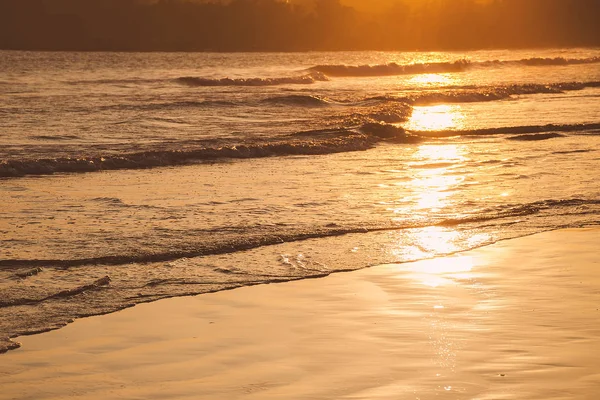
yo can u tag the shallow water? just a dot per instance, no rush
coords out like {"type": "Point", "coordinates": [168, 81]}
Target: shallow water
{"type": "Point", "coordinates": [271, 167]}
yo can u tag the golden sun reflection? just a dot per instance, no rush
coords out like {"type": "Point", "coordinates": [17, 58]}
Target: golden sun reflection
{"type": "Point", "coordinates": [450, 153]}
{"type": "Point", "coordinates": [436, 272]}
{"type": "Point", "coordinates": [434, 190]}
{"type": "Point", "coordinates": [436, 118]}
{"type": "Point", "coordinates": [436, 240]}
{"type": "Point", "coordinates": [431, 79]}
{"type": "Point", "coordinates": [433, 186]}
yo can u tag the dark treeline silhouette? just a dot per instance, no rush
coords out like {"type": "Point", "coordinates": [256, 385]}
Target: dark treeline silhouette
{"type": "Point", "coordinates": [274, 25]}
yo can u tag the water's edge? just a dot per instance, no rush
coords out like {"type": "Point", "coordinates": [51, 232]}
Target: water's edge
{"type": "Point", "coordinates": [8, 344]}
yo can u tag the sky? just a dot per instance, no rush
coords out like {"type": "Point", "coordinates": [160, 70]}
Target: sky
{"type": "Point", "coordinates": [268, 25]}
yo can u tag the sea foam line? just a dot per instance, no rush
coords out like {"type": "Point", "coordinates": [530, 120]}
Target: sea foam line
{"type": "Point", "coordinates": [526, 129]}
{"type": "Point", "coordinates": [391, 69]}
{"type": "Point", "coordinates": [328, 141]}
{"type": "Point", "coordinates": [273, 238]}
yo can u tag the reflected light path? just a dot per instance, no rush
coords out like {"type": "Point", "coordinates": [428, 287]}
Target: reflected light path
{"type": "Point", "coordinates": [432, 80]}
{"type": "Point", "coordinates": [441, 271]}
{"type": "Point", "coordinates": [437, 241]}
{"type": "Point", "coordinates": [435, 171]}
{"type": "Point", "coordinates": [436, 118]}
{"type": "Point", "coordinates": [434, 179]}
{"type": "Point", "coordinates": [449, 153]}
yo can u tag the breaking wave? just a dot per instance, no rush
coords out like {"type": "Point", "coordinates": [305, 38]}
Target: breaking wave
{"type": "Point", "coordinates": [536, 137]}
{"type": "Point", "coordinates": [271, 238]}
{"type": "Point", "coordinates": [299, 100]}
{"type": "Point", "coordinates": [322, 73]}
{"type": "Point", "coordinates": [341, 141]}
{"type": "Point", "coordinates": [392, 69]}
{"type": "Point", "coordinates": [538, 61]}
{"type": "Point", "coordinates": [98, 284]}
{"type": "Point", "coordinates": [306, 79]}
{"type": "Point", "coordinates": [496, 93]}
{"type": "Point", "coordinates": [109, 289]}
{"type": "Point", "coordinates": [522, 130]}
{"type": "Point", "coordinates": [451, 95]}
{"type": "Point", "coordinates": [369, 130]}
{"type": "Point", "coordinates": [137, 81]}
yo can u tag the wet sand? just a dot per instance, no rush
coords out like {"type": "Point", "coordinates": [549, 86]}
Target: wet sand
{"type": "Point", "coordinates": [516, 320]}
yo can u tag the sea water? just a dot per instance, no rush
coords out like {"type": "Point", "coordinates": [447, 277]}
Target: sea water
{"type": "Point", "coordinates": [130, 177]}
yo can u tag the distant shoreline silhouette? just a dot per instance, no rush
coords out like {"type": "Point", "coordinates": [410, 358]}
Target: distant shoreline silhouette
{"type": "Point", "coordinates": [274, 25]}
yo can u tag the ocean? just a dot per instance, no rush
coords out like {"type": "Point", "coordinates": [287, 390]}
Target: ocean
{"type": "Point", "coordinates": [131, 177]}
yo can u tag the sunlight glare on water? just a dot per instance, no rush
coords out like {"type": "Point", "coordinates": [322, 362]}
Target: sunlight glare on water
{"type": "Point", "coordinates": [436, 118]}
{"type": "Point", "coordinates": [435, 80]}
{"type": "Point", "coordinates": [437, 240]}
{"type": "Point", "coordinates": [437, 271]}
{"type": "Point", "coordinates": [433, 180]}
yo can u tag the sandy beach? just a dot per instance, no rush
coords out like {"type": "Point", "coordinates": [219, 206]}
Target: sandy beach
{"type": "Point", "coordinates": [514, 320]}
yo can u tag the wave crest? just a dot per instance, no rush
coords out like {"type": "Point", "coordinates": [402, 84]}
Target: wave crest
{"type": "Point", "coordinates": [306, 79]}
{"type": "Point", "coordinates": [299, 100]}
{"type": "Point", "coordinates": [274, 238]}
{"type": "Point", "coordinates": [97, 284]}
{"type": "Point", "coordinates": [391, 69]}
{"type": "Point", "coordinates": [341, 141]}
{"type": "Point", "coordinates": [536, 136]}
{"type": "Point", "coordinates": [484, 94]}
{"type": "Point", "coordinates": [366, 131]}
{"type": "Point", "coordinates": [527, 130]}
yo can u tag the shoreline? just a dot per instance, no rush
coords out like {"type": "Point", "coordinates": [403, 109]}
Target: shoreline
{"type": "Point", "coordinates": [11, 343]}
{"type": "Point", "coordinates": [486, 323]}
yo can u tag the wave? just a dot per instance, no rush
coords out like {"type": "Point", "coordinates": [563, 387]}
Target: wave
{"type": "Point", "coordinates": [392, 69]}
{"type": "Point", "coordinates": [464, 94]}
{"type": "Point", "coordinates": [97, 284]}
{"type": "Point", "coordinates": [387, 131]}
{"type": "Point", "coordinates": [365, 131]}
{"type": "Point", "coordinates": [248, 242]}
{"type": "Point", "coordinates": [29, 273]}
{"type": "Point", "coordinates": [322, 73]}
{"type": "Point", "coordinates": [124, 81]}
{"type": "Point", "coordinates": [298, 100]}
{"type": "Point", "coordinates": [451, 97]}
{"type": "Point", "coordinates": [497, 93]}
{"type": "Point", "coordinates": [355, 113]}
{"type": "Point", "coordinates": [536, 137]}
{"type": "Point", "coordinates": [527, 129]}
{"type": "Point", "coordinates": [574, 151]}
{"type": "Point", "coordinates": [522, 210]}
{"type": "Point", "coordinates": [203, 81]}
{"type": "Point", "coordinates": [53, 306]}
{"type": "Point", "coordinates": [176, 105]}
{"type": "Point", "coordinates": [306, 79]}
{"type": "Point", "coordinates": [7, 345]}
{"type": "Point", "coordinates": [476, 94]}
{"type": "Point", "coordinates": [457, 95]}
{"type": "Point", "coordinates": [55, 137]}
{"type": "Point", "coordinates": [538, 61]}
{"type": "Point", "coordinates": [336, 142]}
{"type": "Point", "coordinates": [386, 113]}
